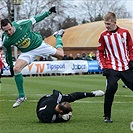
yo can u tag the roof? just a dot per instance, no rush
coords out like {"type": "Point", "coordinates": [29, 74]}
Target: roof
{"type": "Point", "coordinates": [87, 35]}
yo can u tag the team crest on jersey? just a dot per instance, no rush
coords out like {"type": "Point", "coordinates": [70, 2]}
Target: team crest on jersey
{"type": "Point", "coordinates": [24, 44]}
{"type": "Point", "coordinates": [123, 40]}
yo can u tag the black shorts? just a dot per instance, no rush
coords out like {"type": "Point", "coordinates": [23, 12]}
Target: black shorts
{"type": "Point", "coordinates": [125, 76]}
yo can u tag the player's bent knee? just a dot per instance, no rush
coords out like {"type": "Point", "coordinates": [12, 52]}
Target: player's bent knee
{"type": "Point", "coordinates": [17, 69]}
{"type": "Point", "coordinates": [59, 53]}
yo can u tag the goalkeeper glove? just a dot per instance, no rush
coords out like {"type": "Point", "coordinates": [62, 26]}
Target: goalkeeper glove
{"type": "Point", "coordinates": [52, 9]}
{"type": "Point", "coordinates": [67, 117]}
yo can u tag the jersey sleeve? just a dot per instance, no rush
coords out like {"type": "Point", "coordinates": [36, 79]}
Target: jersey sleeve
{"type": "Point", "coordinates": [39, 17]}
{"type": "Point", "coordinates": [1, 63]}
{"type": "Point", "coordinates": [101, 52]}
{"type": "Point", "coordinates": [130, 46]}
{"type": "Point", "coordinates": [8, 53]}
{"type": "Point", "coordinates": [27, 22]}
{"type": "Point", "coordinates": [9, 56]}
{"type": "Point", "coordinates": [74, 96]}
{"type": "Point", "coordinates": [32, 20]}
{"type": "Point", "coordinates": [57, 96]}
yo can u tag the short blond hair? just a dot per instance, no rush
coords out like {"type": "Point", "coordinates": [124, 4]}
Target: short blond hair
{"type": "Point", "coordinates": [110, 15]}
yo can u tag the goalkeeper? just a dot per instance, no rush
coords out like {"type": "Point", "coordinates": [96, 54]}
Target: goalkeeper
{"type": "Point", "coordinates": [56, 107]}
{"type": "Point", "coordinates": [31, 45]}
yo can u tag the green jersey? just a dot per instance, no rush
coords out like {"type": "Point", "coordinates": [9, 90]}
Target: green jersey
{"type": "Point", "coordinates": [23, 37]}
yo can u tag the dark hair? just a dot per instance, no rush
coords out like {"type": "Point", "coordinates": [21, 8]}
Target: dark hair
{"type": "Point", "coordinates": [65, 107]}
{"type": "Point", "coordinates": [5, 22]}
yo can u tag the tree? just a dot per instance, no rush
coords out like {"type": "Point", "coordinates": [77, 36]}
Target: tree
{"type": "Point", "coordinates": [33, 7]}
{"type": "Point", "coordinates": [45, 32]}
{"type": "Point", "coordinates": [41, 6]}
{"type": "Point", "coordinates": [99, 17]}
{"type": "Point", "coordinates": [97, 8]}
{"type": "Point", "coordinates": [7, 6]}
{"type": "Point", "coordinates": [69, 22]}
{"type": "Point", "coordinates": [84, 21]}
{"type": "Point", "coordinates": [79, 12]}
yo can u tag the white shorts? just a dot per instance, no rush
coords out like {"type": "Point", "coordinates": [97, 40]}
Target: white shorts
{"type": "Point", "coordinates": [43, 50]}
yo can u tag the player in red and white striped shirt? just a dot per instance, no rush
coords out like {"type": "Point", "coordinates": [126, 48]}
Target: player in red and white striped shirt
{"type": "Point", "coordinates": [1, 62]}
{"type": "Point", "coordinates": [115, 57]}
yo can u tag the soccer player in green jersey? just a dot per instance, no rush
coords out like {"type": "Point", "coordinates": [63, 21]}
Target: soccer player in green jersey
{"type": "Point", "coordinates": [30, 44]}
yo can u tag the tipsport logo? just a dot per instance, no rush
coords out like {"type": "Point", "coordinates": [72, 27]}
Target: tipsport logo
{"type": "Point", "coordinates": [78, 67]}
{"type": "Point", "coordinates": [55, 66]}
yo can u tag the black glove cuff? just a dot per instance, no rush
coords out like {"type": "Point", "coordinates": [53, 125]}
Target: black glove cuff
{"type": "Point", "coordinates": [52, 9]}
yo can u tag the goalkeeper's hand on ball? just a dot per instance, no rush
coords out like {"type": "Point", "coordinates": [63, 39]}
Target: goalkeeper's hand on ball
{"type": "Point", "coordinates": [67, 117]}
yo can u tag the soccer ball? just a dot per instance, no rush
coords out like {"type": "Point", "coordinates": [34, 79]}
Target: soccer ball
{"type": "Point", "coordinates": [67, 117]}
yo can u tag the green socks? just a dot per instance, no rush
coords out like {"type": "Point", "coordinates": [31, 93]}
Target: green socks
{"type": "Point", "coordinates": [19, 83]}
{"type": "Point", "coordinates": [59, 43]}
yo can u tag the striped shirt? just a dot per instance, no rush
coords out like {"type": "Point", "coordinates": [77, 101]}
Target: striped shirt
{"type": "Point", "coordinates": [115, 49]}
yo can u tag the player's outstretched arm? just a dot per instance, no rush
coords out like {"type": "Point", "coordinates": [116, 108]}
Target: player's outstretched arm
{"type": "Point", "coordinates": [40, 17]}
{"type": "Point", "coordinates": [9, 60]}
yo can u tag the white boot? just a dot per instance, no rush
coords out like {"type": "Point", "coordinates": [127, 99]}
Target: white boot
{"type": "Point", "coordinates": [59, 32]}
{"type": "Point", "coordinates": [19, 101]}
{"type": "Point", "coordinates": [98, 93]}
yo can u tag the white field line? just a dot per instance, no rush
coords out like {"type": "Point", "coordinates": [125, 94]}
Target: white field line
{"type": "Point", "coordinates": [40, 95]}
{"type": "Point", "coordinates": [78, 101]}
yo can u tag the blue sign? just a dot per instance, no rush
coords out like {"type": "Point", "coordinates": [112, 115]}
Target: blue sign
{"type": "Point", "coordinates": [93, 66]}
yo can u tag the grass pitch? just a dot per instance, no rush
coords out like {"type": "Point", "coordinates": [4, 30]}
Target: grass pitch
{"type": "Point", "coordinates": [87, 113]}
